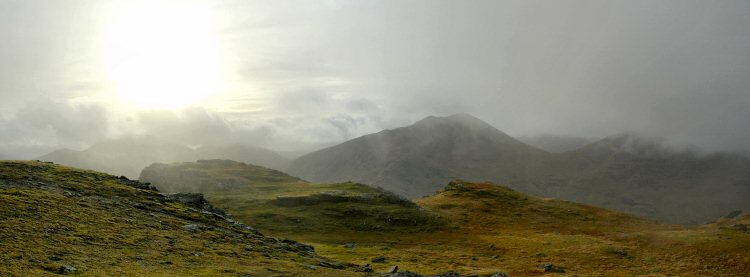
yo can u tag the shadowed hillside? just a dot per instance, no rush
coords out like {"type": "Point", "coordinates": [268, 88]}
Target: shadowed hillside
{"type": "Point", "coordinates": [623, 172]}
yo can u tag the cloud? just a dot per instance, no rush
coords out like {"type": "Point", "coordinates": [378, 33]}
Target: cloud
{"type": "Point", "coordinates": [44, 124]}
{"type": "Point", "coordinates": [308, 74]}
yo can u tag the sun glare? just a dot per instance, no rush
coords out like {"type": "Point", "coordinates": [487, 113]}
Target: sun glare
{"type": "Point", "coordinates": [162, 54]}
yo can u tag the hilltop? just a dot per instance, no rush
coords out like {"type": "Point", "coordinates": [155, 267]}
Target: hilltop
{"type": "Point", "coordinates": [470, 228]}
{"type": "Point", "coordinates": [415, 161]}
{"type": "Point", "coordinates": [61, 220]}
{"type": "Point", "coordinates": [624, 172]}
{"type": "Point", "coordinates": [128, 156]}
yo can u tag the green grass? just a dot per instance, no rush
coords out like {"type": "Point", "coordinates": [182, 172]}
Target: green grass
{"type": "Point", "coordinates": [51, 216]}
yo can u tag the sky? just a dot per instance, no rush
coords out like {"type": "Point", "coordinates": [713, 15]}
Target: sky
{"type": "Point", "coordinates": [300, 75]}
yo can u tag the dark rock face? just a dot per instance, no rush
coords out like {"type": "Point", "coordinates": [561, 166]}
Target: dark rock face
{"type": "Point", "coordinates": [552, 268]}
{"type": "Point", "coordinates": [380, 259]}
{"type": "Point", "coordinates": [499, 274]}
{"type": "Point", "coordinates": [298, 246]}
{"type": "Point", "coordinates": [194, 200]}
{"type": "Point", "coordinates": [125, 181]}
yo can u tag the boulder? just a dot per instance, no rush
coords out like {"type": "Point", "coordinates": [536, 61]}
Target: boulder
{"type": "Point", "coordinates": [66, 269]}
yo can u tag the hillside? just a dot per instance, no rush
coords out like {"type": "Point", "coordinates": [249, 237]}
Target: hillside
{"type": "Point", "coordinates": [128, 156]}
{"type": "Point", "coordinates": [415, 161]}
{"type": "Point", "coordinates": [623, 172]}
{"type": "Point", "coordinates": [556, 143]}
{"type": "Point", "coordinates": [56, 219]}
{"type": "Point", "coordinates": [641, 176]}
{"type": "Point", "coordinates": [471, 228]}
{"type": "Point", "coordinates": [287, 205]}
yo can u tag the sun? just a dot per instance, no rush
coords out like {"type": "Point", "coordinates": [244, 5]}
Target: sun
{"type": "Point", "coordinates": [162, 54]}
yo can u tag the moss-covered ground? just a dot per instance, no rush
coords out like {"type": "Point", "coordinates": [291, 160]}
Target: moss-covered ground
{"type": "Point", "coordinates": [54, 216]}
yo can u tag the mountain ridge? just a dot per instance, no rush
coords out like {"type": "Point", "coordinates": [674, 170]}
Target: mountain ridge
{"type": "Point", "coordinates": [625, 172]}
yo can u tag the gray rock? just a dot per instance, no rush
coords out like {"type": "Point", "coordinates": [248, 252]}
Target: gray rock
{"type": "Point", "coordinates": [366, 268]}
{"type": "Point", "coordinates": [350, 245]}
{"type": "Point", "coordinates": [492, 245]}
{"type": "Point", "coordinates": [474, 258]}
{"type": "Point", "coordinates": [298, 246]}
{"type": "Point", "coordinates": [392, 270]}
{"type": "Point", "coordinates": [125, 181]}
{"type": "Point", "coordinates": [552, 268]}
{"type": "Point", "coordinates": [66, 269]}
{"type": "Point", "coordinates": [495, 256]}
{"type": "Point", "coordinates": [194, 200]}
{"type": "Point", "coordinates": [331, 264]}
{"type": "Point", "coordinates": [380, 259]}
{"type": "Point", "coordinates": [499, 274]}
{"type": "Point", "coordinates": [406, 273]}
{"type": "Point", "coordinates": [190, 227]}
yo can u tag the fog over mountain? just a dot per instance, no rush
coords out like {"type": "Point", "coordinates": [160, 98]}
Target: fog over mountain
{"type": "Point", "coordinates": [625, 172]}
{"type": "Point", "coordinates": [128, 156]}
{"type": "Point", "coordinates": [297, 76]}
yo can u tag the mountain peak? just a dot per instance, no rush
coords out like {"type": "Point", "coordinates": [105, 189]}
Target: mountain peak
{"type": "Point", "coordinates": [460, 120]}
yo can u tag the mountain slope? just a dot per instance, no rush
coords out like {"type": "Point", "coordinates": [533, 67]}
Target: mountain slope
{"type": "Point", "coordinates": [128, 156]}
{"type": "Point", "coordinates": [286, 205]}
{"type": "Point", "coordinates": [471, 228]}
{"type": "Point", "coordinates": [623, 172]}
{"type": "Point", "coordinates": [633, 174]}
{"type": "Point", "coordinates": [556, 143]}
{"type": "Point", "coordinates": [56, 219]}
{"type": "Point", "coordinates": [415, 161]}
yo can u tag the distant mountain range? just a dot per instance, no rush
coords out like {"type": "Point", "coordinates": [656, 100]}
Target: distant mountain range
{"type": "Point", "coordinates": [128, 156]}
{"type": "Point", "coordinates": [624, 172]}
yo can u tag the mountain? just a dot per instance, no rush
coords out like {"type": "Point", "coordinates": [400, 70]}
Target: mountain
{"type": "Point", "coordinates": [556, 143]}
{"type": "Point", "coordinates": [61, 220]}
{"type": "Point", "coordinates": [630, 173]}
{"type": "Point", "coordinates": [478, 229]}
{"type": "Point", "coordinates": [128, 156]}
{"type": "Point", "coordinates": [417, 160]}
{"type": "Point", "coordinates": [624, 172]}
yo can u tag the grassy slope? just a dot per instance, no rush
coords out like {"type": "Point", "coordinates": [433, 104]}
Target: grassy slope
{"type": "Point", "coordinates": [526, 231]}
{"type": "Point", "coordinates": [249, 193]}
{"type": "Point", "coordinates": [53, 215]}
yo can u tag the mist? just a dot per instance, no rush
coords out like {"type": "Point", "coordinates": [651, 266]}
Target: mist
{"type": "Point", "coordinates": [298, 76]}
